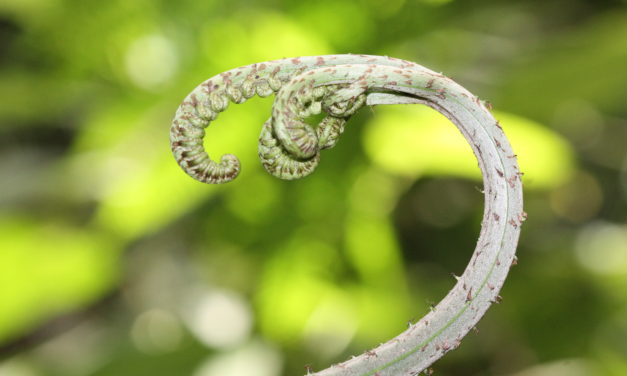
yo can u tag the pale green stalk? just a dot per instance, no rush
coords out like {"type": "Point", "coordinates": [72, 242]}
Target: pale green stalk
{"type": "Point", "coordinates": [290, 148]}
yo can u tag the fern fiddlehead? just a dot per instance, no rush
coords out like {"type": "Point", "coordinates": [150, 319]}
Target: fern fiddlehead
{"type": "Point", "coordinates": [289, 148]}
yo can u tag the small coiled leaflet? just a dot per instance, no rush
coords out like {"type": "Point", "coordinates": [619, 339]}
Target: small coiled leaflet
{"type": "Point", "coordinates": [213, 96]}
{"type": "Point", "coordinates": [290, 148]}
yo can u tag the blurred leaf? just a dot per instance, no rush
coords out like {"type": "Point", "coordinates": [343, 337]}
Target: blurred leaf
{"type": "Point", "coordinates": [48, 268]}
{"type": "Point", "coordinates": [416, 140]}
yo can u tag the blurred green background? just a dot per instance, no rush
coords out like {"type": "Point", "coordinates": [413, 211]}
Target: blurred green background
{"type": "Point", "coordinates": [114, 262]}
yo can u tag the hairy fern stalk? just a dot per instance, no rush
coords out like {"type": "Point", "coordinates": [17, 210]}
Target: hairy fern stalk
{"type": "Point", "coordinates": [289, 148]}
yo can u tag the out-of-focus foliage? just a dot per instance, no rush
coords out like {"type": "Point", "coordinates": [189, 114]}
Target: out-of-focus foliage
{"type": "Point", "coordinates": [114, 262]}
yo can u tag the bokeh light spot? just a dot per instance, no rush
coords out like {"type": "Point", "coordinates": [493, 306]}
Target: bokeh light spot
{"type": "Point", "coordinates": [256, 359]}
{"type": "Point", "coordinates": [17, 368]}
{"type": "Point", "coordinates": [151, 61]}
{"type": "Point", "coordinates": [602, 248]}
{"type": "Point", "coordinates": [219, 318]}
{"type": "Point", "coordinates": [156, 331]}
{"type": "Point", "coordinates": [569, 367]}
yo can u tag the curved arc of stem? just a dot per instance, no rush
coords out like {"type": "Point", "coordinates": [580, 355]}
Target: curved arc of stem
{"type": "Point", "coordinates": [289, 148]}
